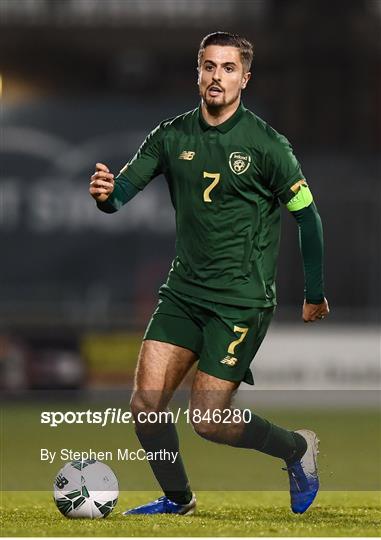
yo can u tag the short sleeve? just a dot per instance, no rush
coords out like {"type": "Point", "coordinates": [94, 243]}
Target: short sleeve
{"type": "Point", "coordinates": [281, 169]}
{"type": "Point", "coordinates": [147, 162]}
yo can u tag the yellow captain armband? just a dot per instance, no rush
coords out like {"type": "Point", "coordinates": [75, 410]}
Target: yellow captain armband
{"type": "Point", "coordinates": [303, 197]}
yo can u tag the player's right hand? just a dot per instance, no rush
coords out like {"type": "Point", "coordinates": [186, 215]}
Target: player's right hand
{"type": "Point", "coordinates": [101, 183]}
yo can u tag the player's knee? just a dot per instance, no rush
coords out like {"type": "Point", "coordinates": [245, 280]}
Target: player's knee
{"type": "Point", "coordinates": [206, 430]}
{"type": "Point", "coordinates": [142, 405]}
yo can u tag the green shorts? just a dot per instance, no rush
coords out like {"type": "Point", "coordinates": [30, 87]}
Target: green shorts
{"type": "Point", "coordinates": [225, 338]}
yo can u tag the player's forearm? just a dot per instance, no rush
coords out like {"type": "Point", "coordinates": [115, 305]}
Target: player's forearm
{"type": "Point", "coordinates": [311, 246]}
{"type": "Point", "coordinates": [123, 192]}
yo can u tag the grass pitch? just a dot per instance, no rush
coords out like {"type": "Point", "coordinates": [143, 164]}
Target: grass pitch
{"type": "Point", "coordinates": [249, 513]}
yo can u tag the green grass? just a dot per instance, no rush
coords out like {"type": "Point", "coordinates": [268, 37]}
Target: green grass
{"type": "Point", "coordinates": [250, 513]}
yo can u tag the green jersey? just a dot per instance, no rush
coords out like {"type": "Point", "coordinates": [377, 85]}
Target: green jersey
{"type": "Point", "coordinates": [226, 183]}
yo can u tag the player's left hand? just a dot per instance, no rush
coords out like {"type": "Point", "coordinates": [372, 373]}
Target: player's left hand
{"type": "Point", "coordinates": [315, 312]}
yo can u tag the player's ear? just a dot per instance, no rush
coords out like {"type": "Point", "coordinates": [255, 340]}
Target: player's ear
{"type": "Point", "coordinates": [245, 79]}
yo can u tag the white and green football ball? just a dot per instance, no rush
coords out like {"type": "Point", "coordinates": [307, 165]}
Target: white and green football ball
{"type": "Point", "coordinates": [86, 489]}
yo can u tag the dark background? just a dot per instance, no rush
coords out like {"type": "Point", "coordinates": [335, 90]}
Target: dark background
{"type": "Point", "coordinates": [86, 80]}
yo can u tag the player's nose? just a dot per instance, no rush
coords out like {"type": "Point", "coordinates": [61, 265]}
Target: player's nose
{"type": "Point", "coordinates": [217, 80]}
{"type": "Point", "coordinates": [218, 75]}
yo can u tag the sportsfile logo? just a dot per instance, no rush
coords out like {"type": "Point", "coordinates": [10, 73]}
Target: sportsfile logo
{"type": "Point", "coordinates": [188, 155]}
{"type": "Point", "coordinates": [113, 415]}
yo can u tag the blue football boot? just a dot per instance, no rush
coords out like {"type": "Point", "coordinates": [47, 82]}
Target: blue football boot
{"type": "Point", "coordinates": [303, 475]}
{"type": "Point", "coordinates": [163, 505]}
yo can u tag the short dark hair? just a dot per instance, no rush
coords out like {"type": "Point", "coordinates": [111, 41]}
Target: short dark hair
{"type": "Point", "coordinates": [229, 40]}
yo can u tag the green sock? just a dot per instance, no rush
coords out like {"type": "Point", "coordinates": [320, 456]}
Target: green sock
{"type": "Point", "coordinates": [260, 434]}
{"type": "Point", "coordinates": [172, 477]}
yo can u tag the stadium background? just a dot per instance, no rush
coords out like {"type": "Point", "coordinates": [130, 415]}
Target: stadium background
{"type": "Point", "coordinates": [85, 81]}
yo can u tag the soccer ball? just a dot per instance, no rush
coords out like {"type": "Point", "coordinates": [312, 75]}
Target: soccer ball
{"type": "Point", "coordinates": [86, 489]}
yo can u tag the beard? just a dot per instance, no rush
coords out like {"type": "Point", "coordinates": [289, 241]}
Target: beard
{"type": "Point", "coordinates": [218, 102]}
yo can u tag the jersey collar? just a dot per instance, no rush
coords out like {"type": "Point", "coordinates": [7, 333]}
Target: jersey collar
{"type": "Point", "coordinates": [225, 126]}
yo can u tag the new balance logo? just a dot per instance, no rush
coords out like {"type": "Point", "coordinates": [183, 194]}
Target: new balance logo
{"type": "Point", "coordinates": [61, 481]}
{"type": "Point", "coordinates": [187, 155]}
{"type": "Point", "coordinates": [229, 361]}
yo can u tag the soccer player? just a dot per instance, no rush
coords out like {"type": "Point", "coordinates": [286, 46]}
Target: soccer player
{"type": "Point", "coordinates": [227, 172]}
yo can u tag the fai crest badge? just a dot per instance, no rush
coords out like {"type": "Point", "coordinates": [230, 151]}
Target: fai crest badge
{"type": "Point", "coordinates": [239, 162]}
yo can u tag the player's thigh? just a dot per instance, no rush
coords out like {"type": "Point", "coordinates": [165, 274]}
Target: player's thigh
{"type": "Point", "coordinates": [162, 366]}
{"type": "Point", "coordinates": [171, 346]}
{"type": "Point", "coordinates": [231, 340]}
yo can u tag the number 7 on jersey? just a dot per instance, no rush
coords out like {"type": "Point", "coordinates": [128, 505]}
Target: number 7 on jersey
{"type": "Point", "coordinates": [216, 179]}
